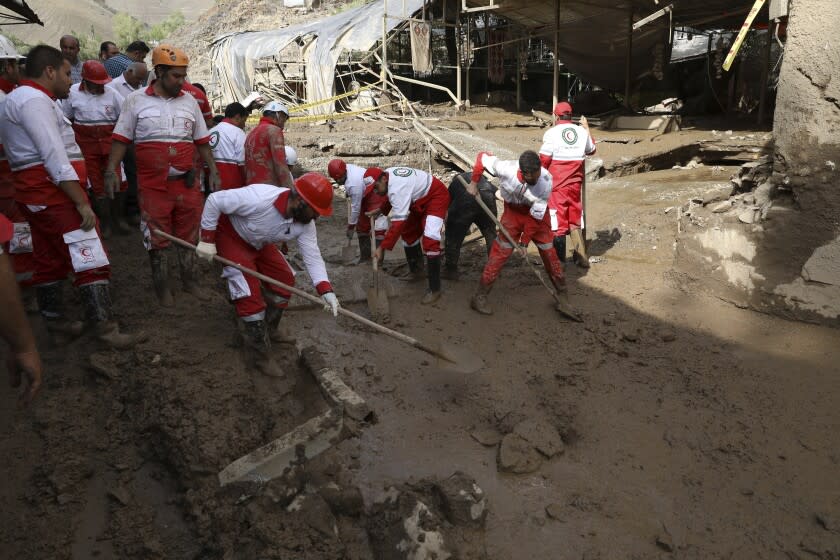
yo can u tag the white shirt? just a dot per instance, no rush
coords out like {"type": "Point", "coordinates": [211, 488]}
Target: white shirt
{"type": "Point", "coordinates": [149, 118]}
{"type": "Point", "coordinates": [123, 87]}
{"type": "Point", "coordinates": [405, 185]}
{"type": "Point", "coordinates": [87, 109]}
{"type": "Point", "coordinates": [567, 142]}
{"type": "Point", "coordinates": [512, 189]}
{"type": "Point", "coordinates": [253, 215]}
{"type": "Point", "coordinates": [354, 186]}
{"type": "Point", "coordinates": [228, 143]}
{"type": "Point", "coordinates": [35, 132]}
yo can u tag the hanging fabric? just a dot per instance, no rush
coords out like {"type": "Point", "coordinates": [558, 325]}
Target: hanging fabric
{"type": "Point", "coordinates": [496, 57]}
{"type": "Point", "coordinates": [421, 52]}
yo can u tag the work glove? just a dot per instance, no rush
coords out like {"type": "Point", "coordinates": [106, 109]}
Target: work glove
{"type": "Point", "coordinates": [206, 250]}
{"type": "Point", "coordinates": [538, 210]}
{"type": "Point", "coordinates": [330, 303]}
{"type": "Point", "coordinates": [351, 229]}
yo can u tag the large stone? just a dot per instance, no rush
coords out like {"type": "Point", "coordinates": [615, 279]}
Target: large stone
{"type": "Point", "coordinates": [542, 435]}
{"type": "Point", "coordinates": [517, 455]}
{"type": "Point", "coordinates": [464, 502]}
{"type": "Point", "coordinates": [824, 265]}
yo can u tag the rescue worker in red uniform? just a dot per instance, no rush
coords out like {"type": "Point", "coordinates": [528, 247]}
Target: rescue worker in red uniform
{"type": "Point", "coordinates": [363, 201]}
{"type": "Point", "coordinates": [166, 127]}
{"type": "Point", "coordinates": [227, 139]}
{"type": "Point", "coordinates": [93, 108]}
{"type": "Point", "coordinates": [19, 246]}
{"type": "Point", "coordinates": [417, 202]}
{"type": "Point", "coordinates": [203, 102]}
{"type": "Point", "coordinates": [245, 224]}
{"type": "Point", "coordinates": [265, 149]}
{"type": "Point", "coordinates": [525, 187]}
{"type": "Point", "coordinates": [563, 152]}
{"type": "Point", "coordinates": [49, 170]}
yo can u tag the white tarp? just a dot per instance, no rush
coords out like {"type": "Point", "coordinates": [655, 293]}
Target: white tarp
{"type": "Point", "coordinates": [234, 55]}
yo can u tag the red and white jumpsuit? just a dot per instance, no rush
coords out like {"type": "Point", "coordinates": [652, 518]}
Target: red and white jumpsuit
{"type": "Point", "coordinates": [564, 149]}
{"type": "Point", "coordinates": [42, 151]}
{"type": "Point", "coordinates": [245, 224]}
{"type": "Point", "coordinates": [19, 246]}
{"type": "Point", "coordinates": [228, 143]}
{"type": "Point", "coordinates": [524, 217]}
{"type": "Point", "coordinates": [165, 132]}
{"type": "Point", "coordinates": [417, 203]}
{"type": "Point", "coordinates": [265, 155]}
{"type": "Point", "coordinates": [363, 199]}
{"type": "Point", "coordinates": [94, 117]}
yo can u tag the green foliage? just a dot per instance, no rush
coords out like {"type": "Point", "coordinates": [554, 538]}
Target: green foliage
{"type": "Point", "coordinates": [165, 28]}
{"type": "Point", "coordinates": [127, 28]}
{"type": "Point", "coordinates": [88, 45]}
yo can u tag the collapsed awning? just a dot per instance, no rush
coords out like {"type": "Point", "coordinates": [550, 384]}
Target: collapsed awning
{"type": "Point", "coordinates": [235, 55]}
{"type": "Point", "coordinates": [21, 13]}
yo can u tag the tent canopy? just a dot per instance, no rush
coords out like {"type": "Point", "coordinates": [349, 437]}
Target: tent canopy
{"type": "Point", "coordinates": [21, 13]}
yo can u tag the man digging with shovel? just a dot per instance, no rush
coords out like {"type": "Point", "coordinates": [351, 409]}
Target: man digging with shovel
{"type": "Point", "coordinates": [245, 224]}
{"type": "Point", "coordinates": [525, 187]}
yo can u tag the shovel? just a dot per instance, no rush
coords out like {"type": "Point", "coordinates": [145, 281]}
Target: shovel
{"type": "Point", "coordinates": [348, 252]}
{"type": "Point", "coordinates": [450, 357]}
{"type": "Point", "coordinates": [377, 297]}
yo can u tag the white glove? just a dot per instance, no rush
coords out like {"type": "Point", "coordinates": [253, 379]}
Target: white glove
{"type": "Point", "coordinates": [206, 250]}
{"type": "Point", "coordinates": [330, 303]}
{"type": "Point", "coordinates": [538, 210]}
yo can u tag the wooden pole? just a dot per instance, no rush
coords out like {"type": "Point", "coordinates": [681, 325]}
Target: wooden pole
{"type": "Point", "coordinates": [468, 48]}
{"type": "Point", "coordinates": [384, 71]}
{"type": "Point", "coordinates": [555, 90]}
{"type": "Point", "coordinates": [459, 50]}
{"type": "Point", "coordinates": [628, 65]}
{"type": "Point", "coordinates": [518, 77]}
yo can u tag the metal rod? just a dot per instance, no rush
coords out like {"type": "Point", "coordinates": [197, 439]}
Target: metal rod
{"type": "Point", "coordinates": [628, 63]}
{"type": "Point", "coordinates": [555, 80]}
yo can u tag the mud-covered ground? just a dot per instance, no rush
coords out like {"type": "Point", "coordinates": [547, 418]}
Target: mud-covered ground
{"type": "Point", "coordinates": [689, 427]}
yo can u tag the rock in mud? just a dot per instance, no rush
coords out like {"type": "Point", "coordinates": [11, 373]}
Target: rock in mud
{"type": "Point", "coordinates": [555, 511]}
{"type": "Point", "coordinates": [343, 500]}
{"type": "Point", "coordinates": [542, 435]}
{"type": "Point", "coordinates": [517, 455]}
{"type": "Point", "coordinates": [487, 437]}
{"type": "Point", "coordinates": [463, 500]}
{"type": "Point", "coordinates": [721, 207]}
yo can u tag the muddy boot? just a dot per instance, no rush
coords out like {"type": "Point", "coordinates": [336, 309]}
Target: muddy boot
{"type": "Point", "coordinates": [97, 301]}
{"type": "Point", "coordinates": [562, 304]}
{"type": "Point", "coordinates": [277, 331]}
{"type": "Point", "coordinates": [580, 256]}
{"type": "Point", "coordinates": [559, 244]}
{"type": "Point", "coordinates": [414, 258]}
{"type": "Point", "coordinates": [120, 226]}
{"type": "Point", "coordinates": [364, 248]}
{"type": "Point", "coordinates": [186, 263]}
{"type": "Point", "coordinates": [479, 299]}
{"type": "Point", "coordinates": [433, 293]}
{"type": "Point", "coordinates": [102, 207]}
{"type": "Point", "coordinates": [259, 346]}
{"type": "Point", "coordinates": [160, 277]}
{"type": "Point", "coordinates": [51, 305]}
{"type": "Point", "coordinates": [450, 267]}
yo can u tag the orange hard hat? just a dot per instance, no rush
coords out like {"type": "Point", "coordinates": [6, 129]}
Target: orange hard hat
{"type": "Point", "coordinates": [317, 191]}
{"type": "Point", "coordinates": [337, 168]}
{"type": "Point", "coordinates": [94, 72]}
{"type": "Point", "coordinates": [169, 56]}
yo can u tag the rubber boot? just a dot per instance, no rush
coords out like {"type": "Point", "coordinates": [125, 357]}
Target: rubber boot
{"type": "Point", "coordinates": [51, 305]}
{"type": "Point", "coordinates": [560, 247]}
{"type": "Point", "coordinates": [452, 254]}
{"type": "Point", "coordinates": [581, 257]}
{"type": "Point", "coordinates": [120, 226]}
{"type": "Point", "coordinates": [562, 304]}
{"type": "Point", "coordinates": [258, 342]}
{"type": "Point", "coordinates": [414, 258]}
{"type": "Point", "coordinates": [479, 299]}
{"type": "Point", "coordinates": [97, 301]}
{"type": "Point", "coordinates": [278, 331]}
{"type": "Point", "coordinates": [160, 277]}
{"type": "Point", "coordinates": [364, 248]}
{"type": "Point", "coordinates": [102, 207]}
{"type": "Point", "coordinates": [186, 263]}
{"type": "Point", "coordinates": [433, 269]}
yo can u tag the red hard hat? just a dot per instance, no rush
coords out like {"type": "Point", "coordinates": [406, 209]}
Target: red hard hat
{"type": "Point", "coordinates": [562, 108]}
{"type": "Point", "coordinates": [337, 168]}
{"type": "Point", "coordinates": [374, 173]}
{"type": "Point", "coordinates": [94, 72]}
{"type": "Point", "coordinates": [317, 191]}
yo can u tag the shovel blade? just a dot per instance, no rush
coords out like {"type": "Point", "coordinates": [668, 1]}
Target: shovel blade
{"type": "Point", "coordinates": [457, 358]}
{"type": "Point", "coordinates": [378, 304]}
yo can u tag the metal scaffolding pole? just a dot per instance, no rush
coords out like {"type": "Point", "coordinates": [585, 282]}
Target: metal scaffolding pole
{"type": "Point", "coordinates": [556, 77]}
{"type": "Point", "coordinates": [628, 66]}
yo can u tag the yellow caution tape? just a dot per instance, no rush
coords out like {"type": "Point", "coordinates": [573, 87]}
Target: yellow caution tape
{"type": "Point", "coordinates": [736, 46]}
{"type": "Point", "coordinates": [329, 116]}
{"type": "Point", "coordinates": [297, 108]}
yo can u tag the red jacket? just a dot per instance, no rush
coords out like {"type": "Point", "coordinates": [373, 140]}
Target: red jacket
{"type": "Point", "coordinates": [265, 155]}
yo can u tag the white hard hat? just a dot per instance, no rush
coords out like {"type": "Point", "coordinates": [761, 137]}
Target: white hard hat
{"type": "Point", "coordinates": [275, 107]}
{"type": "Point", "coordinates": [291, 155]}
{"type": "Point", "coordinates": [8, 50]}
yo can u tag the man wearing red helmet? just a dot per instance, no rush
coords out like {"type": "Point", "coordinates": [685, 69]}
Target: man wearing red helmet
{"type": "Point", "coordinates": [93, 108]}
{"type": "Point", "coordinates": [166, 127]}
{"type": "Point", "coordinates": [564, 150]}
{"type": "Point", "coordinates": [245, 224]}
{"type": "Point", "coordinates": [363, 200]}
{"type": "Point", "coordinates": [418, 203]}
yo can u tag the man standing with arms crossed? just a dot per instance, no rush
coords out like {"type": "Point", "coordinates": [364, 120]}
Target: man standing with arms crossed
{"type": "Point", "coordinates": [166, 127]}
